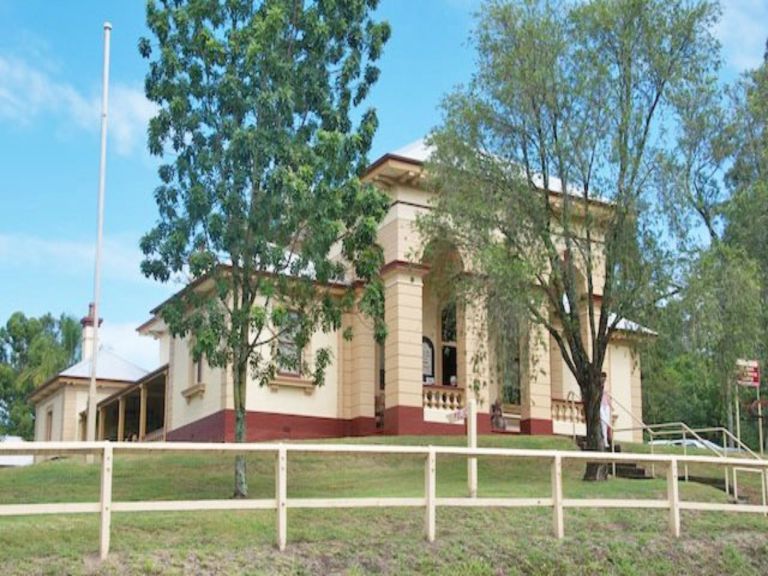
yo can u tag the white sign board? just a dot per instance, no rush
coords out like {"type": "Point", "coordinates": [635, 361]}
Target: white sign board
{"type": "Point", "coordinates": [748, 373]}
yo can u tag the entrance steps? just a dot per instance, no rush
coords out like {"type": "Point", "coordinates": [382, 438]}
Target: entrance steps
{"type": "Point", "coordinates": [629, 470]}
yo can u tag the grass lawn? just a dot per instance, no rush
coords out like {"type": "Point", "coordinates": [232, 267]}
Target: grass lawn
{"type": "Point", "coordinates": [370, 541]}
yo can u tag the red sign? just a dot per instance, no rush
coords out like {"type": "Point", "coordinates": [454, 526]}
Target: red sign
{"type": "Point", "coordinates": [748, 373]}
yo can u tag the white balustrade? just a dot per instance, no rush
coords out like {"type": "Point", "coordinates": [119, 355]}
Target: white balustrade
{"type": "Point", "coordinates": [447, 398]}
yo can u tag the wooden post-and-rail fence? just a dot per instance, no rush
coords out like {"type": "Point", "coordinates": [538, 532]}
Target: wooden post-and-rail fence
{"type": "Point", "coordinates": [430, 501]}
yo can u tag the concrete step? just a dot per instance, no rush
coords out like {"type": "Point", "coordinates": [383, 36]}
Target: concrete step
{"type": "Point", "coordinates": [631, 471]}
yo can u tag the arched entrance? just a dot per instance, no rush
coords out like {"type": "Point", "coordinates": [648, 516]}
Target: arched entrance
{"type": "Point", "coordinates": [443, 341]}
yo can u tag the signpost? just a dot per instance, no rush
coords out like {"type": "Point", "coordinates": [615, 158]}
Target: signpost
{"type": "Point", "coordinates": [748, 375]}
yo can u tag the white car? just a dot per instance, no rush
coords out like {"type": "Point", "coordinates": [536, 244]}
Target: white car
{"type": "Point", "coordinates": [14, 461]}
{"type": "Point", "coordinates": [693, 443]}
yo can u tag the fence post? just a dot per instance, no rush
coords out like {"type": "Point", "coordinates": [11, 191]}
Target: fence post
{"type": "Point", "coordinates": [472, 441]}
{"type": "Point", "coordinates": [557, 497]}
{"type": "Point", "coordinates": [281, 493]}
{"type": "Point", "coordinates": [685, 453]}
{"type": "Point", "coordinates": [430, 482]}
{"type": "Point", "coordinates": [673, 495]}
{"type": "Point", "coordinates": [105, 501]}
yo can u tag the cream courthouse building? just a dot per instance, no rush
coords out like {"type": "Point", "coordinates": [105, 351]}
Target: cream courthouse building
{"type": "Point", "coordinates": [412, 384]}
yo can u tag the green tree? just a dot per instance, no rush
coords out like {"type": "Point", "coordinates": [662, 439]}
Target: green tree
{"type": "Point", "coordinates": [724, 328]}
{"type": "Point", "coordinates": [747, 212]}
{"type": "Point", "coordinates": [545, 163]}
{"type": "Point", "coordinates": [32, 350]}
{"type": "Point", "coordinates": [712, 181]}
{"type": "Point", "coordinates": [260, 200]}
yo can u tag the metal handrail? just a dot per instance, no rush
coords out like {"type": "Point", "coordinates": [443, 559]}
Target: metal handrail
{"type": "Point", "coordinates": [643, 426]}
{"type": "Point", "coordinates": [680, 428]}
{"type": "Point", "coordinates": [670, 428]}
{"type": "Point", "coordinates": [683, 429]}
{"type": "Point", "coordinates": [730, 435]}
{"type": "Point", "coordinates": [624, 408]}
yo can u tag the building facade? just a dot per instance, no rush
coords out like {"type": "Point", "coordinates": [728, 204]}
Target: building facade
{"type": "Point", "coordinates": [61, 403]}
{"type": "Point", "coordinates": [415, 383]}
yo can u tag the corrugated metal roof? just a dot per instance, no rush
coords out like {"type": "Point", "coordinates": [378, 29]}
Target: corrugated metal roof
{"type": "Point", "coordinates": [417, 151]}
{"type": "Point", "coordinates": [109, 366]}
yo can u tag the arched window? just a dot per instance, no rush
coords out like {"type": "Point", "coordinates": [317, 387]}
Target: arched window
{"type": "Point", "coordinates": [427, 361]}
{"type": "Point", "coordinates": [448, 344]}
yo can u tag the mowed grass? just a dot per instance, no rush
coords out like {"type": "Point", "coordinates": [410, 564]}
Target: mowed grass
{"type": "Point", "coordinates": [384, 541]}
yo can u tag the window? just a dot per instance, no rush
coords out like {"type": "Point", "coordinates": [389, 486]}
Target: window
{"type": "Point", "coordinates": [427, 361]}
{"type": "Point", "coordinates": [448, 324]}
{"type": "Point", "coordinates": [49, 425]}
{"type": "Point", "coordinates": [196, 371]}
{"type": "Point", "coordinates": [196, 375]}
{"type": "Point", "coordinates": [448, 337]}
{"type": "Point", "coordinates": [289, 354]}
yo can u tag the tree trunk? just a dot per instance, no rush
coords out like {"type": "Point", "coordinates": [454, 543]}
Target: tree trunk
{"type": "Point", "coordinates": [592, 395]}
{"type": "Point", "coordinates": [241, 480]}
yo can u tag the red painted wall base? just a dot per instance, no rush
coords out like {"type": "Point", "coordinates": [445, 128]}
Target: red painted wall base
{"type": "Point", "coordinates": [409, 420]}
{"type": "Point", "coordinates": [220, 427]}
{"type": "Point", "coordinates": [536, 426]}
{"type": "Point", "coordinates": [400, 420]}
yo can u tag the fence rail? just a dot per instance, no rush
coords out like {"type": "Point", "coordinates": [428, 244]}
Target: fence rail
{"type": "Point", "coordinates": [430, 502]}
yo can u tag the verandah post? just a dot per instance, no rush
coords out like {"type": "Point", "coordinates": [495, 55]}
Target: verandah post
{"type": "Point", "coordinates": [105, 500]}
{"type": "Point", "coordinates": [430, 484]}
{"type": "Point", "coordinates": [281, 493]}
{"type": "Point", "coordinates": [558, 523]}
{"type": "Point", "coordinates": [673, 495]}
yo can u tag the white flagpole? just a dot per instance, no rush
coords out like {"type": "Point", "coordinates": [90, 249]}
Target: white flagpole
{"type": "Point", "coordinates": [91, 436]}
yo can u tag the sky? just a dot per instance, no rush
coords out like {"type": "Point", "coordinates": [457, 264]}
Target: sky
{"type": "Point", "coordinates": [50, 83]}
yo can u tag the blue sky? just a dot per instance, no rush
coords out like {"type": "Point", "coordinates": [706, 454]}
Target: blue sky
{"type": "Point", "coordinates": [50, 78]}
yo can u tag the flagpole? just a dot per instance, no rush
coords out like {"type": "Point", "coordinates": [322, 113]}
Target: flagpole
{"type": "Point", "coordinates": [91, 423]}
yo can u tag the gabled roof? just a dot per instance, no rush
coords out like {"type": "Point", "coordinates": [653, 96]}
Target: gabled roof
{"type": "Point", "coordinates": [625, 325]}
{"type": "Point", "coordinates": [109, 366]}
{"type": "Point", "coordinates": [419, 152]}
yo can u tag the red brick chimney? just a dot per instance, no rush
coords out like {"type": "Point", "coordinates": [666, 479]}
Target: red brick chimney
{"type": "Point", "coordinates": [87, 324]}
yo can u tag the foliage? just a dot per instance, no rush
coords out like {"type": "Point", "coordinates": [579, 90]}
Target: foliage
{"type": "Point", "coordinates": [714, 181]}
{"type": "Point", "coordinates": [689, 372]}
{"type": "Point", "coordinates": [260, 200]}
{"type": "Point", "coordinates": [545, 162]}
{"type": "Point", "coordinates": [747, 211]}
{"type": "Point", "coordinates": [32, 350]}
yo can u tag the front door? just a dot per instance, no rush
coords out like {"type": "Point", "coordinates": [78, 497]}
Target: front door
{"type": "Point", "coordinates": [448, 344]}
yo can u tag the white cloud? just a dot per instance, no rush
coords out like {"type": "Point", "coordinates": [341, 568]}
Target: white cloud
{"type": "Point", "coordinates": [27, 93]}
{"type": "Point", "coordinates": [743, 30]}
{"type": "Point", "coordinates": [121, 257]}
{"type": "Point", "coordinates": [123, 340]}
